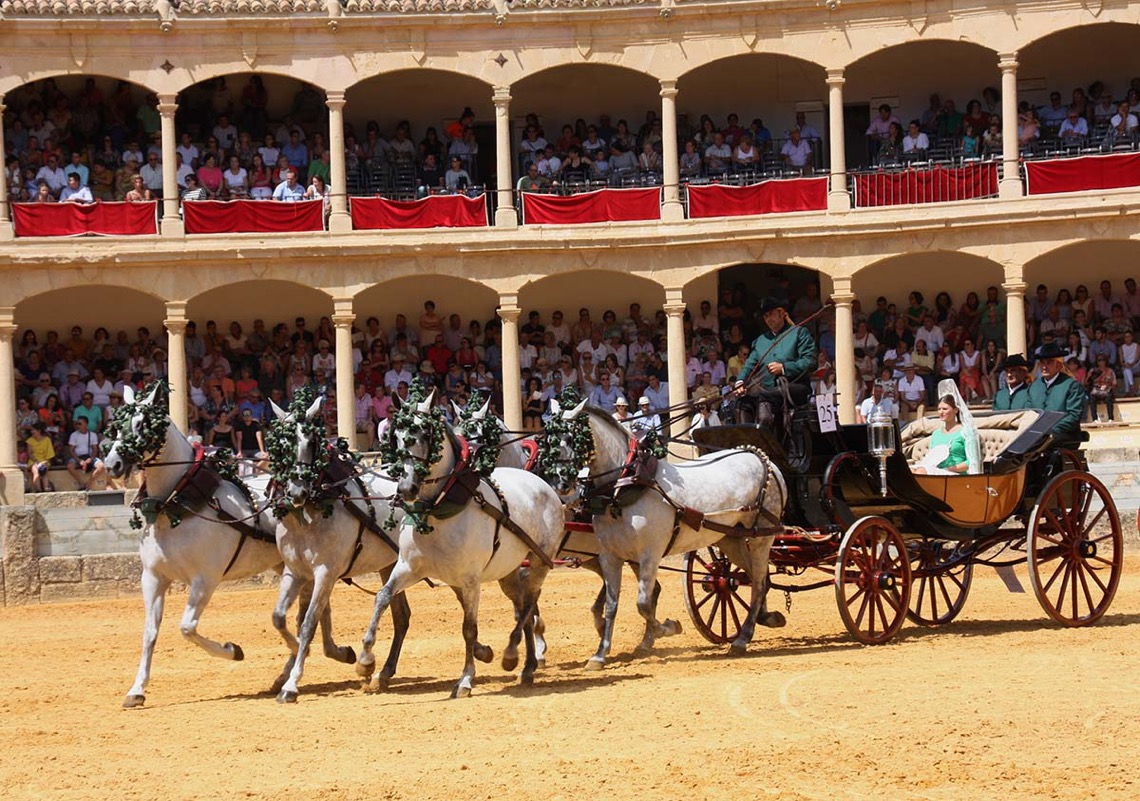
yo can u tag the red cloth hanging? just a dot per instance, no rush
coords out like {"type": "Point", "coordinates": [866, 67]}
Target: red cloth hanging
{"type": "Point", "coordinates": [603, 205]}
{"type": "Point", "coordinates": [80, 219]}
{"type": "Point", "coordinates": [252, 216]}
{"type": "Point", "coordinates": [435, 211]}
{"type": "Point", "coordinates": [769, 197]}
{"type": "Point", "coordinates": [1084, 174]}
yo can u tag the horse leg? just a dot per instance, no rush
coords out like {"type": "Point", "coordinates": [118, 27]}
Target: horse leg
{"type": "Point", "coordinates": [287, 594]}
{"type": "Point", "coordinates": [154, 589]}
{"type": "Point", "coordinates": [648, 591]}
{"type": "Point", "coordinates": [611, 573]}
{"type": "Point", "coordinates": [318, 603]}
{"type": "Point", "coordinates": [532, 590]}
{"type": "Point", "coordinates": [401, 619]}
{"type": "Point", "coordinates": [484, 653]}
{"type": "Point", "coordinates": [338, 653]}
{"type": "Point", "coordinates": [200, 594]}
{"type": "Point", "coordinates": [598, 609]}
{"type": "Point", "coordinates": [400, 579]}
{"type": "Point", "coordinates": [511, 585]}
{"type": "Point", "coordinates": [469, 599]}
{"type": "Point", "coordinates": [538, 629]}
{"type": "Point", "coordinates": [756, 565]}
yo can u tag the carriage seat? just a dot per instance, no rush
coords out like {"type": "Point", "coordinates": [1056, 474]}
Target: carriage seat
{"type": "Point", "coordinates": [995, 433]}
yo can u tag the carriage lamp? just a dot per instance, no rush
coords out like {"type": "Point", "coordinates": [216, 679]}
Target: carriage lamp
{"type": "Point", "coordinates": [881, 443]}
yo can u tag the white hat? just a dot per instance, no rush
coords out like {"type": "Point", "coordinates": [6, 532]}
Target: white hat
{"type": "Point", "coordinates": [621, 402]}
{"type": "Point", "coordinates": [643, 400]}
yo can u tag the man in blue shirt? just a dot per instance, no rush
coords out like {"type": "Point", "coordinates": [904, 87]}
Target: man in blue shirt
{"type": "Point", "coordinates": [289, 190]}
{"type": "Point", "coordinates": [604, 395]}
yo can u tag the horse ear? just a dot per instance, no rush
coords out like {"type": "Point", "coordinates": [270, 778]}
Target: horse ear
{"type": "Point", "coordinates": [129, 394]}
{"type": "Point", "coordinates": [425, 407]}
{"type": "Point", "coordinates": [282, 415]}
{"type": "Point", "coordinates": [482, 413]}
{"type": "Point", "coordinates": [311, 412]}
{"type": "Point", "coordinates": [573, 413]}
{"type": "Point", "coordinates": [456, 410]}
{"type": "Point", "coordinates": [555, 407]}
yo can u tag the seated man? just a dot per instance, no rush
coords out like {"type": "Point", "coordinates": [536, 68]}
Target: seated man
{"type": "Point", "coordinates": [912, 393]}
{"type": "Point", "coordinates": [877, 401]}
{"type": "Point", "coordinates": [781, 352]}
{"type": "Point", "coordinates": [83, 447]}
{"type": "Point", "coordinates": [1015, 396]}
{"type": "Point", "coordinates": [1057, 391]}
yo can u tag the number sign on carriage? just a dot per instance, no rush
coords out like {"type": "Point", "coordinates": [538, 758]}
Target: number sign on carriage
{"type": "Point", "coordinates": [825, 410]}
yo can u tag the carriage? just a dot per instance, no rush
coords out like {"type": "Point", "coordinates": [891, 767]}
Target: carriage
{"type": "Point", "coordinates": [896, 545]}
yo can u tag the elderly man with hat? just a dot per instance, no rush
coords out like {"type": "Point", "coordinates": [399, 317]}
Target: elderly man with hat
{"type": "Point", "coordinates": [1056, 391]}
{"type": "Point", "coordinates": [645, 420]}
{"type": "Point", "coordinates": [780, 352]}
{"type": "Point", "coordinates": [1015, 396]}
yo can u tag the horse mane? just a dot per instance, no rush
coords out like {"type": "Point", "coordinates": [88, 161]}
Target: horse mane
{"type": "Point", "coordinates": [609, 421]}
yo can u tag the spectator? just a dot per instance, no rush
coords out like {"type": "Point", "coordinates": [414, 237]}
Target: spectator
{"type": "Point", "coordinates": [83, 464]}
{"type": "Point", "coordinates": [74, 192]}
{"type": "Point", "coordinates": [796, 152]}
{"type": "Point", "coordinates": [289, 191]}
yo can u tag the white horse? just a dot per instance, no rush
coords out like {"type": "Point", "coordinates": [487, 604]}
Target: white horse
{"type": "Point", "coordinates": [471, 545]}
{"type": "Point", "coordinates": [673, 509]}
{"type": "Point", "coordinates": [320, 549]}
{"type": "Point", "coordinates": [205, 548]}
{"type": "Point", "coordinates": [514, 451]}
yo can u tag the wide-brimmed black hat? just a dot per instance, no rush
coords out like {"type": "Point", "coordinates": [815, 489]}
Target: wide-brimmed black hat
{"type": "Point", "coordinates": [772, 303]}
{"type": "Point", "coordinates": [1050, 350]}
{"type": "Point", "coordinates": [1016, 360]}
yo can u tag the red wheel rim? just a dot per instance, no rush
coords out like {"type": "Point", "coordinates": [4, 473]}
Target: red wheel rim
{"type": "Point", "coordinates": [712, 594]}
{"type": "Point", "coordinates": [1076, 549]}
{"type": "Point", "coordinates": [872, 581]}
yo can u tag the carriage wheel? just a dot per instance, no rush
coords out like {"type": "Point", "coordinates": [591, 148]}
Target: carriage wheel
{"type": "Point", "coordinates": [872, 580]}
{"type": "Point", "coordinates": [712, 594]}
{"type": "Point", "coordinates": [1076, 549]}
{"type": "Point", "coordinates": [937, 597]}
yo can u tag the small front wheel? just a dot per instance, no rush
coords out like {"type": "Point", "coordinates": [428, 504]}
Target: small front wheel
{"type": "Point", "coordinates": [872, 580]}
{"type": "Point", "coordinates": [712, 594]}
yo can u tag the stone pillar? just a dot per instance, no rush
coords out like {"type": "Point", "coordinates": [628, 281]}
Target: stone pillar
{"type": "Point", "coordinates": [675, 359]}
{"type": "Point", "coordinates": [844, 351]}
{"type": "Point", "coordinates": [1015, 316]}
{"type": "Point", "coordinates": [509, 312]}
{"type": "Point", "coordinates": [172, 224]}
{"type": "Point", "coordinates": [12, 486]}
{"type": "Point", "coordinates": [343, 318]}
{"type": "Point", "coordinates": [6, 231]}
{"type": "Point", "coordinates": [1010, 186]}
{"type": "Point", "coordinates": [339, 219]}
{"type": "Point", "coordinates": [671, 208]}
{"type": "Point", "coordinates": [505, 214]}
{"type": "Point", "coordinates": [837, 198]}
{"type": "Point", "coordinates": [175, 324]}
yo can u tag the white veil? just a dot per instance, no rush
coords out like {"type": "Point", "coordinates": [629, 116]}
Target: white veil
{"type": "Point", "coordinates": [948, 386]}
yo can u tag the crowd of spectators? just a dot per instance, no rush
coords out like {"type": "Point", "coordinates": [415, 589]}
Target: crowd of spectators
{"type": "Point", "coordinates": [68, 389]}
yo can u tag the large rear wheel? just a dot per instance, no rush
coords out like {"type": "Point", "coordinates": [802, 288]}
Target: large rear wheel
{"type": "Point", "coordinates": [713, 596]}
{"type": "Point", "coordinates": [1076, 549]}
{"type": "Point", "coordinates": [872, 580]}
{"type": "Point", "coordinates": [938, 591]}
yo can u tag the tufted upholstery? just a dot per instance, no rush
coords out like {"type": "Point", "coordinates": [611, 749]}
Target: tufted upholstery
{"type": "Point", "coordinates": [995, 432]}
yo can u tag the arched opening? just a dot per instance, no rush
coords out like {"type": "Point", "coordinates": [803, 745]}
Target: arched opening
{"type": "Point", "coordinates": [101, 128]}
{"type": "Point", "coordinates": [767, 106]}
{"type": "Point", "coordinates": [430, 105]}
{"type": "Point", "coordinates": [604, 96]}
{"type": "Point", "coordinates": [906, 77]}
{"type": "Point", "coordinates": [270, 301]}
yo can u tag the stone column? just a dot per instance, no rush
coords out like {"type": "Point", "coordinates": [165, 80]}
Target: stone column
{"type": "Point", "coordinates": [844, 351]}
{"type": "Point", "coordinates": [1010, 186]}
{"type": "Point", "coordinates": [11, 478]}
{"type": "Point", "coordinates": [671, 208]}
{"type": "Point", "coordinates": [172, 224]}
{"type": "Point", "coordinates": [675, 358]}
{"type": "Point", "coordinates": [175, 324]}
{"type": "Point", "coordinates": [509, 312]}
{"type": "Point", "coordinates": [339, 219]}
{"type": "Point", "coordinates": [6, 231]}
{"type": "Point", "coordinates": [837, 198]}
{"type": "Point", "coordinates": [1015, 316]}
{"type": "Point", "coordinates": [343, 318]}
{"type": "Point", "coordinates": [505, 214]}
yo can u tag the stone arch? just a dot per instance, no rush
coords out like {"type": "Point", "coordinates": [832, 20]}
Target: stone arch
{"type": "Point", "coordinates": [406, 295]}
{"type": "Point", "coordinates": [571, 291]}
{"type": "Point", "coordinates": [12, 83]}
{"type": "Point", "coordinates": [1077, 56]}
{"type": "Point", "coordinates": [1088, 262]}
{"type": "Point", "coordinates": [198, 107]}
{"type": "Point", "coordinates": [928, 272]}
{"type": "Point", "coordinates": [90, 306]}
{"type": "Point", "coordinates": [271, 300]}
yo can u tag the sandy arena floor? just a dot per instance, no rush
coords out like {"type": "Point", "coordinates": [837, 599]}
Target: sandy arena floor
{"type": "Point", "coordinates": [999, 705]}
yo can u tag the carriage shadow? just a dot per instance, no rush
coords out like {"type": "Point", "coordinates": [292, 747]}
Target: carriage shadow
{"type": "Point", "coordinates": [986, 628]}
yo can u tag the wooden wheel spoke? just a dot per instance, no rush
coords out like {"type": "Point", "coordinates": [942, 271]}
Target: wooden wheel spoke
{"type": "Point", "coordinates": [712, 614]}
{"type": "Point", "coordinates": [1092, 572]}
{"type": "Point", "coordinates": [1060, 605]}
{"type": "Point", "coordinates": [941, 584]}
{"type": "Point", "coordinates": [891, 598]}
{"type": "Point", "coordinates": [1109, 563]}
{"type": "Point", "coordinates": [1085, 505]}
{"type": "Point", "coordinates": [705, 566]}
{"type": "Point", "coordinates": [725, 605]}
{"type": "Point", "coordinates": [863, 609]}
{"type": "Point", "coordinates": [1062, 530]}
{"type": "Point", "coordinates": [1050, 540]}
{"type": "Point", "coordinates": [732, 608]}
{"type": "Point", "coordinates": [1085, 588]}
{"type": "Point", "coordinates": [1053, 578]}
{"type": "Point", "coordinates": [1085, 530]}
{"type": "Point", "coordinates": [704, 600]}
{"type": "Point", "coordinates": [921, 592]}
{"type": "Point", "coordinates": [1103, 537]}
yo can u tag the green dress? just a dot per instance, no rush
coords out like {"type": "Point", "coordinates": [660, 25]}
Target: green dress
{"type": "Point", "coordinates": [957, 443]}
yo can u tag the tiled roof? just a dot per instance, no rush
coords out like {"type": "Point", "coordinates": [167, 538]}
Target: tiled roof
{"type": "Point", "coordinates": [250, 7]}
{"type": "Point", "coordinates": [65, 8]}
{"type": "Point", "coordinates": [416, 6]}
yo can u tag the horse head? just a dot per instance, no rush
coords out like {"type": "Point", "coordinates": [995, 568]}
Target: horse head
{"type": "Point", "coordinates": [297, 450]}
{"type": "Point", "coordinates": [479, 427]}
{"type": "Point", "coordinates": [139, 430]}
{"type": "Point", "coordinates": [565, 447]}
{"type": "Point", "coordinates": [415, 447]}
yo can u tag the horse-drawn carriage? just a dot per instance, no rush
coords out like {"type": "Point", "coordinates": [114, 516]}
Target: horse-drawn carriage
{"type": "Point", "coordinates": [894, 544]}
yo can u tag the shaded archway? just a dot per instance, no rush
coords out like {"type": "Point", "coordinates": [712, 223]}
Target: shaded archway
{"type": "Point", "coordinates": [256, 103]}
{"type": "Point", "coordinates": [905, 76]}
{"type": "Point", "coordinates": [928, 272]}
{"type": "Point", "coordinates": [596, 290]}
{"type": "Point", "coordinates": [115, 308]}
{"type": "Point", "coordinates": [270, 301]}
{"type": "Point", "coordinates": [746, 286]}
{"type": "Point", "coordinates": [1086, 263]}
{"type": "Point", "coordinates": [469, 299]}
{"type": "Point", "coordinates": [1079, 57]}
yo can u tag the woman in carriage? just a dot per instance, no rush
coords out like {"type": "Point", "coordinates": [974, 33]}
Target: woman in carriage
{"type": "Point", "coordinates": [954, 448]}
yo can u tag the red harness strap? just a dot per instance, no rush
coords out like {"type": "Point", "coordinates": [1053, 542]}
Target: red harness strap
{"type": "Point", "coordinates": [531, 448]}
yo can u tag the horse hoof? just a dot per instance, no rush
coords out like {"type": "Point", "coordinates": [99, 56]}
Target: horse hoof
{"type": "Point", "coordinates": [366, 666]}
{"type": "Point", "coordinates": [484, 654]}
{"type": "Point", "coordinates": [286, 697]}
{"type": "Point", "coordinates": [379, 684]}
{"type": "Point", "coordinates": [510, 662]}
{"type": "Point", "coordinates": [346, 655]}
{"type": "Point", "coordinates": [670, 628]}
{"type": "Point", "coordinates": [737, 650]}
{"type": "Point", "coordinates": [774, 620]}
{"type": "Point", "coordinates": [595, 664]}
{"type": "Point", "coordinates": [236, 653]}
{"type": "Point", "coordinates": [278, 683]}
{"type": "Point", "coordinates": [643, 649]}
{"type": "Point", "coordinates": [526, 680]}
{"type": "Point", "coordinates": [134, 701]}
{"type": "Point", "coordinates": [541, 664]}
{"type": "Point", "coordinates": [461, 691]}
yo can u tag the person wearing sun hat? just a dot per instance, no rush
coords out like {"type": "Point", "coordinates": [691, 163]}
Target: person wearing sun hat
{"type": "Point", "coordinates": [791, 354]}
{"type": "Point", "coordinates": [1015, 395]}
{"type": "Point", "coordinates": [1057, 391]}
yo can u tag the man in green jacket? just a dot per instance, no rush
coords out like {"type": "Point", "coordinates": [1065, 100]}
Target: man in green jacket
{"type": "Point", "coordinates": [1056, 391]}
{"type": "Point", "coordinates": [778, 352]}
{"type": "Point", "coordinates": [1015, 395]}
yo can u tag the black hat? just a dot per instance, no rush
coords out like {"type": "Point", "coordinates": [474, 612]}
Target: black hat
{"type": "Point", "coordinates": [1050, 350]}
{"type": "Point", "coordinates": [1016, 360]}
{"type": "Point", "coordinates": [772, 303]}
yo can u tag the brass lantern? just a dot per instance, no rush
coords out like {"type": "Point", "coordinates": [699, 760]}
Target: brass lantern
{"type": "Point", "coordinates": [881, 443]}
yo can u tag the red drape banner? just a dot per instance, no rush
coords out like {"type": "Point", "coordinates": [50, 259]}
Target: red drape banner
{"type": "Point", "coordinates": [769, 197]}
{"type": "Point", "coordinates": [1083, 174]}
{"type": "Point", "coordinates": [936, 185]}
{"type": "Point", "coordinates": [75, 219]}
{"type": "Point", "coordinates": [252, 216]}
{"type": "Point", "coordinates": [436, 211]}
{"type": "Point", "coordinates": [604, 205]}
